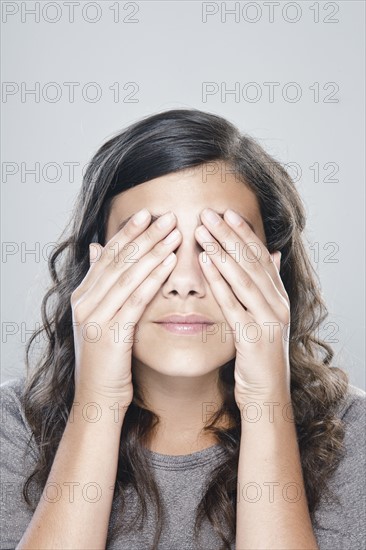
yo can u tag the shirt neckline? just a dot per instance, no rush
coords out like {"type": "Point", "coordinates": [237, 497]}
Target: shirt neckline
{"type": "Point", "coordinates": [191, 460]}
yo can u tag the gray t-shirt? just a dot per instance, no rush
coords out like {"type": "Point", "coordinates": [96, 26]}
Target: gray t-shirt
{"type": "Point", "coordinates": [180, 480]}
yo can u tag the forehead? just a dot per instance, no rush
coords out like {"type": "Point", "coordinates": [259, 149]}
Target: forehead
{"type": "Point", "coordinates": [186, 193]}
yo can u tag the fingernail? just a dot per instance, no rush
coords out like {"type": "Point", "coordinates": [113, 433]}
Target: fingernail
{"type": "Point", "coordinates": [165, 220]}
{"type": "Point", "coordinates": [141, 216]}
{"type": "Point", "coordinates": [172, 236]}
{"type": "Point", "coordinates": [211, 216]}
{"type": "Point", "coordinates": [204, 234]}
{"type": "Point", "coordinates": [233, 217]}
{"type": "Point", "coordinates": [169, 259]}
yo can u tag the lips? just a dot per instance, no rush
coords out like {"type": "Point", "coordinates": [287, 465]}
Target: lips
{"type": "Point", "coordinates": [191, 319]}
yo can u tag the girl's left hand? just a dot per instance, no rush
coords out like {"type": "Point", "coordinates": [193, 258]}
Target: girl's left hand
{"type": "Point", "coordinates": [254, 302]}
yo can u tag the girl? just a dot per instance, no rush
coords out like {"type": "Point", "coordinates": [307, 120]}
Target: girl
{"type": "Point", "coordinates": [185, 399]}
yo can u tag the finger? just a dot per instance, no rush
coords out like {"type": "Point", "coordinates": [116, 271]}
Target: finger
{"type": "Point", "coordinates": [100, 256]}
{"type": "Point", "coordinates": [120, 253]}
{"type": "Point", "coordinates": [250, 249]}
{"type": "Point", "coordinates": [129, 251]}
{"type": "Point", "coordinates": [136, 303]}
{"type": "Point", "coordinates": [232, 309]}
{"type": "Point", "coordinates": [103, 301]}
{"type": "Point", "coordinates": [276, 258]}
{"type": "Point", "coordinates": [260, 298]}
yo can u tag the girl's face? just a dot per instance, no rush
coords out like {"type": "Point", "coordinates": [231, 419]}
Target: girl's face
{"type": "Point", "coordinates": [186, 290]}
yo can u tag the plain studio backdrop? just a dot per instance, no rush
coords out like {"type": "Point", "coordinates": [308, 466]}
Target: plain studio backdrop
{"type": "Point", "coordinates": [291, 74]}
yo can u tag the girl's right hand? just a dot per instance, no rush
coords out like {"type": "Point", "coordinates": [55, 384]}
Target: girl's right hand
{"type": "Point", "coordinates": [110, 300]}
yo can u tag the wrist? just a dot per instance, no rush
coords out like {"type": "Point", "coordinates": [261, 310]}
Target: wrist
{"type": "Point", "coordinates": [273, 409]}
{"type": "Point", "coordinates": [244, 396]}
{"type": "Point", "coordinates": [94, 409]}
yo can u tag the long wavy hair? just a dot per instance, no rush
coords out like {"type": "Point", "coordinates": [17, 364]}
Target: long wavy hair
{"type": "Point", "coordinates": [156, 145]}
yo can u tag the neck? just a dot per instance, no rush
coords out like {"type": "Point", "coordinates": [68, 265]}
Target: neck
{"type": "Point", "coordinates": [184, 406]}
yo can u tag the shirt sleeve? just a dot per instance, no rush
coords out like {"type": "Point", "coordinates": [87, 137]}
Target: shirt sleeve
{"type": "Point", "coordinates": [17, 462]}
{"type": "Point", "coordinates": [342, 526]}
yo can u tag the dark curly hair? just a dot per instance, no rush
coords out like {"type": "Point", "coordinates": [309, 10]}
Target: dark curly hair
{"type": "Point", "coordinates": [156, 145]}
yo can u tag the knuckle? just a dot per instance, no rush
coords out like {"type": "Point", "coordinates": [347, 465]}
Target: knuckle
{"type": "Point", "coordinates": [227, 233]}
{"type": "Point", "coordinates": [254, 264]}
{"type": "Point", "coordinates": [135, 299]}
{"type": "Point", "coordinates": [92, 330]}
{"type": "Point", "coordinates": [253, 252]}
{"type": "Point", "coordinates": [245, 282]}
{"type": "Point", "coordinates": [116, 263]}
{"type": "Point", "coordinates": [111, 253]}
{"type": "Point", "coordinates": [149, 236]}
{"type": "Point", "coordinates": [230, 302]}
{"type": "Point", "coordinates": [125, 279]}
{"type": "Point", "coordinates": [246, 230]}
{"type": "Point", "coordinates": [155, 275]}
{"type": "Point", "coordinates": [130, 230]}
{"type": "Point", "coordinates": [268, 260]}
{"type": "Point", "coordinates": [157, 251]}
{"type": "Point", "coordinates": [216, 278]}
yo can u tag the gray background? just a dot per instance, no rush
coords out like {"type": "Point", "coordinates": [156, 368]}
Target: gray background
{"type": "Point", "coordinates": [169, 51]}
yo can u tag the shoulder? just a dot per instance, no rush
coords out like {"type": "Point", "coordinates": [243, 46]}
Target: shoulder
{"type": "Point", "coordinates": [341, 524]}
{"type": "Point", "coordinates": [352, 411]}
{"type": "Point", "coordinates": [12, 388]}
{"type": "Point", "coordinates": [11, 393]}
{"type": "Point", "coordinates": [14, 428]}
{"type": "Point", "coordinates": [353, 415]}
{"type": "Point", "coordinates": [18, 456]}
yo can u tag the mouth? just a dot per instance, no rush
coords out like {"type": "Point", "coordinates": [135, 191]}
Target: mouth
{"type": "Point", "coordinates": [185, 324]}
{"type": "Point", "coordinates": [184, 328]}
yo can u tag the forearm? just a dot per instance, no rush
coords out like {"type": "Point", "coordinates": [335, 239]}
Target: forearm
{"type": "Point", "coordinates": [75, 506]}
{"type": "Point", "coordinates": [272, 510]}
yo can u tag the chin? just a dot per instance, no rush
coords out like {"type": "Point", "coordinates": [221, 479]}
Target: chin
{"type": "Point", "coordinates": [180, 372]}
{"type": "Point", "coordinates": [173, 362]}
{"type": "Point", "coordinates": [175, 355]}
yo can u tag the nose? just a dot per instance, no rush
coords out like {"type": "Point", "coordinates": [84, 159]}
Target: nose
{"type": "Point", "coordinates": [187, 277]}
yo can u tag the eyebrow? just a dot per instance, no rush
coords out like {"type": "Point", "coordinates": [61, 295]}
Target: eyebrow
{"type": "Point", "coordinates": [157, 215]}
